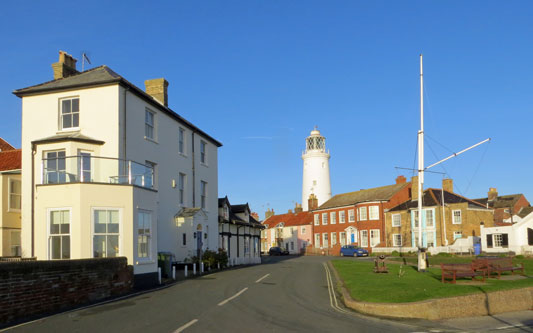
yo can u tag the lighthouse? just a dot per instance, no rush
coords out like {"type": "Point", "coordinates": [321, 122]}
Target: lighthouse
{"type": "Point", "coordinates": [316, 170]}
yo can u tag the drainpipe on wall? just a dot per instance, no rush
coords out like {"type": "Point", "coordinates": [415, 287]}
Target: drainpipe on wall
{"type": "Point", "coordinates": [33, 152]}
{"type": "Point", "coordinates": [444, 219]}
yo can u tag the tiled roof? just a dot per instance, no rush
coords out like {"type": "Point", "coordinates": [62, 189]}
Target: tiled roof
{"type": "Point", "coordinates": [11, 160]}
{"type": "Point", "coordinates": [503, 201]}
{"type": "Point", "coordinates": [382, 193]}
{"type": "Point", "coordinates": [4, 145]}
{"type": "Point", "coordinates": [525, 211]}
{"type": "Point", "coordinates": [289, 219]}
{"type": "Point", "coordinates": [433, 197]}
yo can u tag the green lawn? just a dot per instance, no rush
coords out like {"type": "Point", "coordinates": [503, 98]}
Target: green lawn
{"type": "Point", "coordinates": [365, 285]}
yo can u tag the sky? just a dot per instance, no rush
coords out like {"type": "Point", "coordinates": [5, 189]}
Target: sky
{"type": "Point", "coordinates": [259, 75]}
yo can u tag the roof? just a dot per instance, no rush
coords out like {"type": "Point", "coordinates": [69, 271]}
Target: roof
{"type": "Point", "coordinates": [4, 145]}
{"type": "Point", "coordinates": [100, 76]}
{"type": "Point", "coordinates": [73, 136]}
{"type": "Point", "coordinates": [240, 208]}
{"type": "Point", "coordinates": [525, 211]}
{"type": "Point", "coordinates": [383, 193]}
{"type": "Point", "coordinates": [289, 219]}
{"type": "Point", "coordinates": [503, 201]}
{"type": "Point", "coordinates": [433, 197]}
{"type": "Point", "coordinates": [11, 160]}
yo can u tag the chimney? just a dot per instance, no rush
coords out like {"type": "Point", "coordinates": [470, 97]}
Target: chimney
{"type": "Point", "coordinates": [493, 194]}
{"type": "Point", "coordinates": [312, 202]}
{"type": "Point", "coordinates": [401, 179]}
{"type": "Point", "coordinates": [290, 211]}
{"type": "Point", "coordinates": [255, 215]}
{"type": "Point", "coordinates": [414, 188]}
{"type": "Point", "coordinates": [65, 67]}
{"type": "Point", "coordinates": [298, 208]}
{"type": "Point", "coordinates": [157, 88]}
{"type": "Point", "coordinates": [447, 185]}
{"type": "Point", "coordinates": [269, 213]}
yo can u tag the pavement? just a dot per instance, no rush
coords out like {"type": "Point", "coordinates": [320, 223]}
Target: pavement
{"type": "Point", "coordinates": [283, 294]}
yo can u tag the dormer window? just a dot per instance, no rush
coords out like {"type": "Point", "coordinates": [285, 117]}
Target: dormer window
{"type": "Point", "coordinates": [226, 212]}
{"type": "Point", "coordinates": [70, 113]}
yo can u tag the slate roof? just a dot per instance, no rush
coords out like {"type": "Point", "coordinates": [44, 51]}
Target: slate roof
{"type": "Point", "coordinates": [289, 219]}
{"type": "Point", "coordinates": [525, 211]}
{"type": "Point", "coordinates": [233, 218]}
{"type": "Point", "coordinates": [433, 197]}
{"type": "Point", "coordinates": [503, 201]}
{"type": "Point", "coordinates": [73, 136]}
{"type": "Point", "coordinates": [4, 145]}
{"type": "Point", "coordinates": [383, 193]}
{"type": "Point", "coordinates": [11, 160]}
{"type": "Point", "coordinates": [100, 76]}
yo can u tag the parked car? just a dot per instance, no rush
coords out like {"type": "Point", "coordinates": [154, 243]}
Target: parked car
{"type": "Point", "coordinates": [351, 250]}
{"type": "Point", "coordinates": [277, 251]}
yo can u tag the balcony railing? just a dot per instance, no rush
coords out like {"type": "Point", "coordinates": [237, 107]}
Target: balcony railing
{"type": "Point", "coordinates": [92, 169]}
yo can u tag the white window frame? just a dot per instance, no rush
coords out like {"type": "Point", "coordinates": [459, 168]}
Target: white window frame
{"type": "Point", "coordinates": [203, 152]}
{"type": "Point", "coordinates": [342, 238]}
{"type": "Point", "coordinates": [325, 239]}
{"type": "Point", "coordinates": [430, 212]}
{"type": "Point", "coordinates": [333, 217]}
{"type": "Point", "coordinates": [324, 218]}
{"type": "Point", "coordinates": [333, 238]}
{"type": "Point", "coordinates": [372, 233]}
{"type": "Point", "coordinates": [93, 233]}
{"type": "Point", "coordinates": [317, 219]}
{"type": "Point", "coordinates": [397, 223]}
{"type": "Point", "coordinates": [364, 238]}
{"type": "Point", "coordinates": [459, 234]}
{"type": "Point", "coordinates": [50, 235]}
{"type": "Point", "coordinates": [302, 231]}
{"type": "Point", "coordinates": [430, 238]}
{"type": "Point", "coordinates": [60, 173]}
{"type": "Point", "coordinates": [182, 150]}
{"type": "Point", "coordinates": [182, 186]}
{"type": "Point", "coordinates": [317, 240]}
{"type": "Point", "coordinates": [416, 219]}
{"type": "Point", "coordinates": [342, 216]}
{"type": "Point", "coordinates": [18, 196]}
{"type": "Point", "coordinates": [152, 126]}
{"type": "Point", "coordinates": [16, 249]}
{"type": "Point", "coordinates": [362, 216]}
{"type": "Point", "coordinates": [395, 238]}
{"type": "Point", "coordinates": [61, 114]}
{"type": "Point", "coordinates": [373, 212]}
{"type": "Point", "coordinates": [203, 194]}
{"type": "Point", "coordinates": [454, 220]}
{"type": "Point", "coordinates": [148, 257]}
{"type": "Point", "coordinates": [351, 216]}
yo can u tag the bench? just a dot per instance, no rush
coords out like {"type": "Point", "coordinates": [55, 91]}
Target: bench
{"type": "Point", "coordinates": [454, 271]}
{"type": "Point", "coordinates": [500, 265]}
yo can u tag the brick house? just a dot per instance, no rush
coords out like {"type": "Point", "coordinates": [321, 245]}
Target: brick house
{"type": "Point", "coordinates": [357, 217]}
{"type": "Point", "coordinates": [462, 218]}
{"type": "Point", "coordinates": [504, 206]}
{"type": "Point", "coordinates": [291, 231]}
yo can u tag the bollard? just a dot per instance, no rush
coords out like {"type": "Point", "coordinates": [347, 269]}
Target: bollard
{"type": "Point", "coordinates": [173, 272]}
{"type": "Point", "coordinates": [194, 269]}
{"type": "Point", "coordinates": [159, 274]}
{"type": "Point", "coordinates": [202, 267]}
{"type": "Point", "coordinates": [186, 268]}
{"type": "Point", "coordinates": [218, 265]}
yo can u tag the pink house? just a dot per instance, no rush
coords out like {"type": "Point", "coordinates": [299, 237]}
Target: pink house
{"type": "Point", "coordinates": [291, 231]}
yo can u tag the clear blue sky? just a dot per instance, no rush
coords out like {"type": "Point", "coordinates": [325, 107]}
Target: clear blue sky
{"type": "Point", "coordinates": [258, 75]}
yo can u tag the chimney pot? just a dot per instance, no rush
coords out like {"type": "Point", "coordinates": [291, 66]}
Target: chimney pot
{"type": "Point", "coordinates": [312, 202]}
{"type": "Point", "coordinates": [158, 89]}
{"type": "Point", "coordinates": [493, 194]}
{"type": "Point", "coordinates": [447, 185]}
{"type": "Point", "coordinates": [401, 179]}
{"type": "Point", "coordinates": [65, 67]}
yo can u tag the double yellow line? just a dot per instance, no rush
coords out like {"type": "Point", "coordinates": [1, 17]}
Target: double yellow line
{"type": "Point", "coordinates": [331, 289]}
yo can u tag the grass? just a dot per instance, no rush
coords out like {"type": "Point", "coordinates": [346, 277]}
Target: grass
{"type": "Point", "coordinates": [365, 285]}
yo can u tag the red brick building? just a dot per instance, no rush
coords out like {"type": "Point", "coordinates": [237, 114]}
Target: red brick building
{"type": "Point", "coordinates": [504, 206]}
{"type": "Point", "coordinates": [357, 217]}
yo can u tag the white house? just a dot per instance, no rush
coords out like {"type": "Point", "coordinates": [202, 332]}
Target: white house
{"type": "Point", "coordinates": [110, 170]}
{"type": "Point", "coordinates": [517, 237]}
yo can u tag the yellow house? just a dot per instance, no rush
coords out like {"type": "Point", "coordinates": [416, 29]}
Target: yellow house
{"type": "Point", "coordinates": [10, 198]}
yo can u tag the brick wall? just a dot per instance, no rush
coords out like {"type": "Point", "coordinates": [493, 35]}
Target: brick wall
{"type": "Point", "coordinates": [31, 288]}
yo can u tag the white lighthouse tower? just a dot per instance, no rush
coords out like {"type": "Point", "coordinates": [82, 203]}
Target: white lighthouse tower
{"type": "Point", "coordinates": [316, 169]}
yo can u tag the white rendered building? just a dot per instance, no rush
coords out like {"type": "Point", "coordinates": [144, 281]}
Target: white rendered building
{"type": "Point", "coordinates": [316, 170]}
{"type": "Point", "coordinates": [110, 170]}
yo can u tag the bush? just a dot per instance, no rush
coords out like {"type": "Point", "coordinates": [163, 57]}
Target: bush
{"type": "Point", "coordinates": [221, 257]}
{"type": "Point", "coordinates": [444, 254]}
{"type": "Point", "coordinates": [395, 253]}
{"type": "Point", "coordinates": [209, 258]}
{"type": "Point", "coordinates": [519, 256]}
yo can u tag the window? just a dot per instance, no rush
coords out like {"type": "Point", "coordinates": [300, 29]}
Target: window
{"type": "Point", "coordinates": [333, 238]}
{"type": "Point", "coordinates": [396, 240]}
{"type": "Point", "coordinates": [317, 240]}
{"type": "Point", "coordinates": [203, 194]}
{"type": "Point", "coordinates": [59, 239]}
{"type": "Point", "coordinates": [396, 220]}
{"type": "Point", "coordinates": [106, 233]}
{"type": "Point", "coordinates": [70, 113]}
{"type": "Point", "coordinates": [149, 178]}
{"type": "Point", "coordinates": [292, 246]}
{"type": "Point", "coordinates": [325, 242]}
{"type": "Point", "coordinates": [14, 194]}
{"type": "Point", "coordinates": [342, 216]}
{"type": "Point", "coordinates": [351, 216]}
{"type": "Point", "coordinates": [324, 218]}
{"type": "Point", "coordinates": [181, 141]}
{"type": "Point", "coordinates": [362, 214]}
{"type": "Point", "coordinates": [333, 217]}
{"type": "Point", "coordinates": [342, 235]}
{"type": "Point", "coordinates": [373, 213]}
{"type": "Point", "coordinates": [203, 148]}
{"type": "Point", "coordinates": [54, 167]}
{"type": "Point", "coordinates": [430, 240]}
{"type": "Point", "coordinates": [317, 219]}
{"type": "Point", "coordinates": [456, 214]}
{"type": "Point", "coordinates": [364, 238]}
{"type": "Point", "coordinates": [457, 235]}
{"type": "Point", "coordinates": [84, 166]}
{"type": "Point", "coordinates": [144, 233]}
{"type": "Point", "coordinates": [303, 231]}
{"type": "Point", "coordinates": [430, 223]}
{"type": "Point", "coordinates": [529, 236]}
{"type": "Point", "coordinates": [184, 239]}
{"type": "Point", "coordinates": [374, 237]}
{"type": "Point", "coordinates": [226, 212]}
{"type": "Point", "coordinates": [415, 217]}
{"type": "Point", "coordinates": [149, 124]}
{"type": "Point", "coordinates": [15, 244]}
{"type": "Point", "coordinates": [181, 188]}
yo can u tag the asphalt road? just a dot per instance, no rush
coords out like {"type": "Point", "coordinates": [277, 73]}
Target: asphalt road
{"type": "Point", "coordinates": [283, 294]}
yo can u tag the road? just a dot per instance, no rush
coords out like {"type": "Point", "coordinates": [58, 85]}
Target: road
{"type": "Point", "coordinates": [283, 294]}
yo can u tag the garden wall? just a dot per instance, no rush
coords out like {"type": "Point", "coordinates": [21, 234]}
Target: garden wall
{"type": "Point", "coordinates": [32, 288]}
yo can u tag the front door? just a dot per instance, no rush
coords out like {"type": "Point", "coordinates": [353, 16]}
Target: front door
{"type": "Point", "coordinates": [352, 238]}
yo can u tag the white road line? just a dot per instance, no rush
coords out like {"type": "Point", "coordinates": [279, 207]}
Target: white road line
{"type": "Point", "coordinates": [332, 297]}
{"type": "Point", "coordinates": [182, 328]}
{"type": "Point", "coordinates": [232, 297]}
{"type": "Point", "coordinates": [264, 277]}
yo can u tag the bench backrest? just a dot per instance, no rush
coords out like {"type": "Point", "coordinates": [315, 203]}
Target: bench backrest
{"type": "Point", "coordinates": [456, 267]}
{"type": "Point", "coordinates": [501, 262]}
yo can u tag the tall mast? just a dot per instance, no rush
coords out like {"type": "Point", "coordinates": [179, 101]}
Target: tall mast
{"type": "Point", "coordinates": [421, 257]}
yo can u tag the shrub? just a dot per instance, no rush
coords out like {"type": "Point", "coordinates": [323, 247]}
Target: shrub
{"type": "Point", "coordinates": [395, 253]}
{"type": "Point", "coordinates": [444, 254]}
{"type": "Point", "coordinates": [221, 257]}
{"type": "Point", "coordinates": [209, 258]}
{"type": "Point", "coordinates": [519, 256]}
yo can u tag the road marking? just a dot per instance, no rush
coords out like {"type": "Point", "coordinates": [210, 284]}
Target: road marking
{"type": "Point", "coordinates": [510, 326]}
{"type": "Point", "coordinates": [264, 277]}
{"type": "Point", "coordinates": [182, 328]}
{"type": "Point", "coordinates": [332, 297]}
{"type": "Point", "coordinates": [232, 297]}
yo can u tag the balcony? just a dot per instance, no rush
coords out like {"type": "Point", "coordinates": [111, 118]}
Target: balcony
{"type": "Point", "coordinates": [91, 169]}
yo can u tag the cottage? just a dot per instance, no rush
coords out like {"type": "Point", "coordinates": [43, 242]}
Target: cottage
{"type": "Point", "coordinates": [10, 199]}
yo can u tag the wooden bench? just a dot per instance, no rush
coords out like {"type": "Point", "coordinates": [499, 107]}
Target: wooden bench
{"type": "Point", "coordinates": [454, 271]}
{"type": "Point", "coordinates": [499, 265]}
